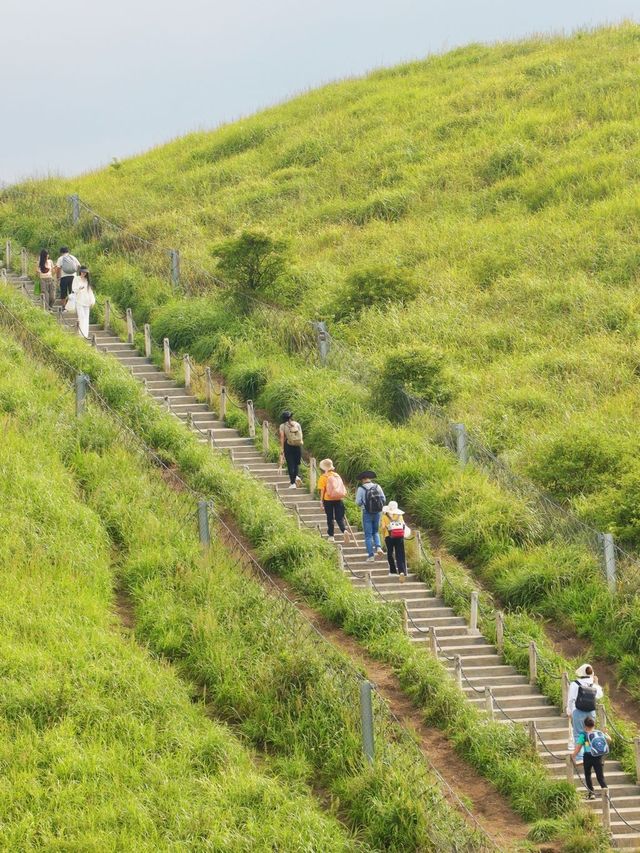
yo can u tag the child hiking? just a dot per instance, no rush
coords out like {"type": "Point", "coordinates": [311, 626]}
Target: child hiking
{"type": "Point", "coordinates": [291, 442]}
{"type": "Point", "coordinates": [371, 499]}
{"type": "Point", "coordinates": [583, 695]}
{"type": "Point", "coordinates": [595, 745]}
{"type": "Point", "coordinates": [393, 530]}
{"type": "Point", "coordinates": [332, 491]}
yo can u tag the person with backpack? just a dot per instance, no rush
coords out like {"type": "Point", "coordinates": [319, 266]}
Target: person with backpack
{"type": "Point", "coordinates": [332, 493]}
{"type": "Point", "coordinates": [595, 744]}
{"type": "Point", "coordinates": [291, 441]}
{"type": "Point", "coordinates": [66, 268]}
{"type": "Point", "coordinates": [85, 299]}
{"type": "Point", "coordinates": [393, 530]}
{"type": "Point", "coordinates": [371, 499]}
{"type": "Point", "coordinates": [47, 281]}
{"type": "Point", "coordinates": [582, 699]}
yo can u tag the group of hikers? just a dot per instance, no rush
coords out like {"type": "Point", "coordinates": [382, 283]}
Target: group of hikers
{"type": "Point", "coordinates": [380, 520]}
{"type": "Point", "coordinates": [385, 521]}
{"type": "Point", "coordinates": [69, 281]}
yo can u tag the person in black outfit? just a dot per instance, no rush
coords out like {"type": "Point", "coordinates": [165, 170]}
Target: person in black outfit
{"type": "Point", "coordinates": [291, 442]}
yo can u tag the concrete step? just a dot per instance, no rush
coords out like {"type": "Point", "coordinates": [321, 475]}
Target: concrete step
{"type": "Point", "coordinates": [132, 360]}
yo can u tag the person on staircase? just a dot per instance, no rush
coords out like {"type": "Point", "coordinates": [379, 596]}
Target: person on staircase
{"type": "Point", "coordinates": [332, 493]}
{"type": "Point", "coordinates": [393, 531]}
{"type": "Point", "coordinates": [370, 498]}
{"type": "Point", "coordinates": [85, 299]}
{"type": "Point", "coordinates": [47, 281]}
{"type": "Point", "coordinates": [66, 268]}
{"type": "Point", "coordinates": [582, 698]}
{"type": "Point", "coordinates": [291, 441]}
{"type": "Point", "coordinates": [595, 745]}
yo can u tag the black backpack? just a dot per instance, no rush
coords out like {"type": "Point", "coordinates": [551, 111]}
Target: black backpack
{"type": "Point", "coordinates": [586, 698]}
{"type": "Point", "coordinates": [373, 498]}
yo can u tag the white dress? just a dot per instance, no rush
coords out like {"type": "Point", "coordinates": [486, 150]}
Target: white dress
{"type": "Point", "coordinates": [84, 300]}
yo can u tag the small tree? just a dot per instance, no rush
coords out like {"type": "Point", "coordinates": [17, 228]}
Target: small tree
{"type": "Point", "coordinates": [252, 264]}
{"type": "Point", "coordinates": [375, 286]}
{"type": "Point", "coordinates": [417, 372]}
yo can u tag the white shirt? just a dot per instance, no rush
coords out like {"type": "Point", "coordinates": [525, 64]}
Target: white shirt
{"type": "Point", "coordinates": [587, 681]}
{"type": "Point", "coordinates": [49, 266]}
{"type": "Point", "coordinates": [82, 291]}
{"type": "Point", "coordinates": [59, 263]}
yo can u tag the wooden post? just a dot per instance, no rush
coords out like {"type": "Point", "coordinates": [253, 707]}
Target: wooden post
{"type": "Point", "coordinates": [147, 340]}
{"type": "Point", "coordinates": [175, 267]}
{"type": "Point", "coordinates": [439, 578]}
{"type": "Point", "coordinates": [211, 439]}
{"type": "Point", "coordinates": [7, 255]}
{"type": "Point", "coordinates": [433, 641]}
{"type": "Point", "coordinates": [265, 437]}
{"type": "Point", "coordinates": [606, 809]}
{"type": "Point", "coordinates": [500, 631]}
{"type": "Point", "coordinates": [367, 579]}
{"type": "Point", "coordinates": [129, 326]}
{"type": "Point", "coordinates": [609, 560]}
{"type": "Point", "coordinates": [601, 715]}
{"type": "Point", "coordinates": [167, 357]}
{"type": "Point", "coordinates": [533, 663]}
{"type": "Point", "coordinates": [186, 360]}
{"type": "Point", "coordinates": [223, 403]}
{"type": "Point", "coordinates": [313, 475]}
{"type": "Point", "coordinates": [533, 733]}
{"type": "Point", "coordinates": [190, 420]}
{"type": "Point", "coordinates": [366, 720]}
{"type": "Point", "coordinates": [405, 618]}
{"type": "Point", "coordinates": [208, 387]}
{"type": "Point", "coordinates": [340, 557]}
{"type": "Point", "coordinates": [167, 403]}
{"type": "Point", "coordinates": [473, 625]}
{"type": "Point", "coordinates": [94, 340]}
{"type": "Point", "coordinates": [251, 418]}
{"type": "Point", "coordinates": [203, 524]}
{"type": "Point", "coordinates": [565, 691]}
{"type": "Point", "coordinates": [24, 263]}
{"type": "Point", "coordinates": [458, 670]}
{"type": "Point", "coordinates": [462, 448]}
{"type": "Point", "coordinates": [636, 750]}
{"type": "Point", "coordinates": [488, 702]}
{"type": "Point", "coordinates": [107, 315]}
{"type": "Point", "coordinates": [298, 516]}
{"type": "Point", "coordinates": [569, 768]}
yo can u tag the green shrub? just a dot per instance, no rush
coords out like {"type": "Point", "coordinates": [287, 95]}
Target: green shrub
{"type": "Point", "coordinates": [410, 373]}
{"type": "Point", "coordinates": [377, 286]}
{"type": "Point", "coordinates": [253, 264]}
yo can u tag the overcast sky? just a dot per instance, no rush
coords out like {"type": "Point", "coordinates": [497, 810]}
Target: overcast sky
{"type": "Point", "coordinates": [88, 80]}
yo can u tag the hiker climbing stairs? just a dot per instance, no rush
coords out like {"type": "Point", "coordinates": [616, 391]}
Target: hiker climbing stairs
{"type": "Point", "coordinates": [486, 680]}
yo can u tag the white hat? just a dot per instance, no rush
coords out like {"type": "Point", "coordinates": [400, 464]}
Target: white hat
{"type": "Point", "coordinates": [581, 671]}
{"type": "Point", "coordinates": [392, 508]}
{"type": "Point", "coordinates": [326, 465]}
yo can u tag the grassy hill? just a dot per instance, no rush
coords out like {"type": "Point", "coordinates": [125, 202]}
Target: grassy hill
{"type": "Point", "coordinates": [496, 189]}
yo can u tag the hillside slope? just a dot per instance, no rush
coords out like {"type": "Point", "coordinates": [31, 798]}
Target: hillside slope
{"type": "Point", "coordinates": [502, 179]}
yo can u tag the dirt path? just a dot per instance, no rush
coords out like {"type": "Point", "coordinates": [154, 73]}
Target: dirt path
{"type": "Point", "coordinates": [489, 807]}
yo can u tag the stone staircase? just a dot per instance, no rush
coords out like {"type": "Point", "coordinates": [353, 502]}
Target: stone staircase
{"type": "Point", "coordinates": [513, 698]}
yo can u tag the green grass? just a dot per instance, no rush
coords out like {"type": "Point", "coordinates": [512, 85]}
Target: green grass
{"type": "Point", "coordinates": [261, 666]}
{"type": "Point", "coordinates": [101, 746]}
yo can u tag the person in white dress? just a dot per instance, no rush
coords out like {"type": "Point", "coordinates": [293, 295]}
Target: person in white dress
{"type": "Point", "coordinates": [85, 299]}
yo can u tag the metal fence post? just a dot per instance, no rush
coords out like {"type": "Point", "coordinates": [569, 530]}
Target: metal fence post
{"type": "Point", "coordinates": [203, 524]}
{"type": "Point", "coordinates": [499, 631]}
{"type": "Point", "coordinates": [24, 263]}
{"type": "Point", "coordinates": [147, 340]}
{"type": "Point", "coordinates": [609, 554]}
{"type": "Point", "coordinates": [366, 719]}
{"type": "Point", "coordinates": [75, 208]}
{"type": "Point", "coordinates": [223, 403]}
{"type": "Point", "coordinates": [462, 448]}
{"type": "Point", "coordinates": [82, 384]}
{"type": "Point", "coordinates": [313, 475]}
{"type": "Point", "coordinates": [107, 315]}
{"type": "Point", "coordinates": [533, 663]}
{"type": "Point", "coordinates": [251, 418]}
{"type": "Point", "coordinates": [186, 360]}
{"type": "Point", "coordinates": [129, 326]}
{"type": "Point", "coordinates": [167, 356]}
{"type": "Point", "coordinates": [208, 386]}
{"type": "Point", "coordinates": [473, 622]}
{"type": "Point", "coordinates": [439, 577]}
{"type": "Point", "coordinates": [322, 335]}
{"type": "Point", "coordinates": [175, 267]}
{"type": "Point", "coordinates": [265, 437]}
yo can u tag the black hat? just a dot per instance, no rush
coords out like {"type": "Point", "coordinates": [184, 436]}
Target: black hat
{"type": "Point", "coordinates": [367, 475]}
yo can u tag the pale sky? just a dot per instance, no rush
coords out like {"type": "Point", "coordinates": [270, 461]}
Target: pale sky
{"type": "Point", "coordinates": [84, 81]}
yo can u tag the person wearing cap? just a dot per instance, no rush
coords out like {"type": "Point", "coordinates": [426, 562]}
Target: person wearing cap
{"type": "Point", "coordinates": [291, 442]}
{"type": "Point", "coordinates": [370, 498]}
{"type": "Point", "coordinates": [332, 491]}
{"type": "Point", "coordinates": [583, 695]}
{"type": "Point", "coordinates": [392, 529]}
